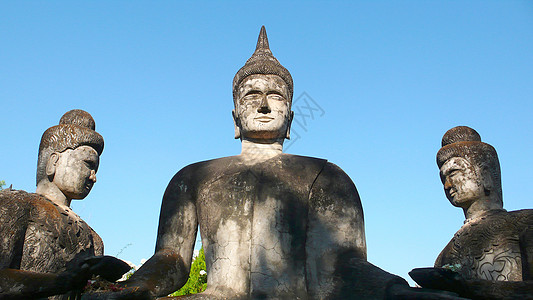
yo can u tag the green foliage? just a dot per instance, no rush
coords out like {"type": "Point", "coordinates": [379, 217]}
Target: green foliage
{"type": "Point", "coordinates": [2, 183]}
{"type": "Point", "coordinates": [197, 278]}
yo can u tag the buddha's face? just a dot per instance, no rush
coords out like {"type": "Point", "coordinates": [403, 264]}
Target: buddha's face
{"type": "Point", "coordinates": [262, 110]}
{"type": "Point", "coordinates": [463, 182]}
{"type": "Point", "coordinates": [75, 171]}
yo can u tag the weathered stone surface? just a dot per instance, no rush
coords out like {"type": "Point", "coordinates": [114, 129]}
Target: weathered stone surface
{"type": "Point", "coordinates": [493, 245]}
{"type": "Point", "coordinates": [489, 247]}
{"type": "Point", "coordinates": [45, 248]}
{"type": "Point", "coordinates": [273, 225]}
{"type": "Point", "coordinates": [41, 236]}
{"type": "Point", "coordinates": [477, 289]}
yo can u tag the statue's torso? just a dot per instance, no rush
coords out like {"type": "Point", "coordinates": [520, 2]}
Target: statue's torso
{"type": "Point", "coordinates": [290, 227]}
{"type": "Point", "coordinates": [38, 235]}
{"type": "Point", "coordinates": [488, 247]}
{"type": "Point", "coordinates": [253, 221]}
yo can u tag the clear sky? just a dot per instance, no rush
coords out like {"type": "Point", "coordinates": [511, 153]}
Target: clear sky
{"type": "Point", "coordinates": [386, 79]}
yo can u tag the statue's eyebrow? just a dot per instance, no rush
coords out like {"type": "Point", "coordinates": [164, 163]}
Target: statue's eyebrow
{"type": "Point", "coordinates": [450, 169]}
{"type": "Point", "coordinates": [444, 170]}
{"type": "Point", "coordinates": [274, 92]}
{"type": "Point", "coordinates": [90, 161]}
{"type": "Point", "coordinates": [253, 91]}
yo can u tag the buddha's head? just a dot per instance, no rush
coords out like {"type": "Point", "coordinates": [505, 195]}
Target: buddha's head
{"type": "Point", "coordinates": [262, 95]}
{"type": "Point", "coordinates": [469, 168]}
{"type": "Point", "coordinates": [69, 155]}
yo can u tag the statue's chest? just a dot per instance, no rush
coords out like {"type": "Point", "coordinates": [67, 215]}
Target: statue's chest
{"type": "Point", "coordinates": [487, 251]}
{"type": "Point", "coordinates": [272, 201]}
{"type": "Point", "coordinates": [54, 239]}
{"type": "Point", "coordinates": [253, 225]}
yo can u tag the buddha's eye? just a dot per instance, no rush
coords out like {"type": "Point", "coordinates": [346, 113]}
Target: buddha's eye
{"type": "Point", "coordinates": [90, 164]}
{"type": "Point", "coordinates": [453, 173]}
{"type": "Point", "coordinates": [276, 97]}
{"type": "Point", "coordinates": [252, 95]}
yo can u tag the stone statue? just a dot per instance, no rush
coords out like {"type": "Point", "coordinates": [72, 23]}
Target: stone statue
{"type": "Point", "coordinates": [46, 249]}
{"type": "Point", "coordinates": [273, 225]}
{"type": "Point", "coordinates": [493, 244]}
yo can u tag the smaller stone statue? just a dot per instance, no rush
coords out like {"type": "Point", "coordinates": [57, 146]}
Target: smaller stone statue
{"type": "Point", "coordinates": [493, 245]}
{"type": "Point", "coordinates": [45, 248]}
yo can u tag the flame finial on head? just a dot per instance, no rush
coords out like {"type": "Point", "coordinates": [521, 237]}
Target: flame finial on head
{"type": "Point", "coordinates": [262, 62]}
{"type": "Point", "coordinates": [262, 41]}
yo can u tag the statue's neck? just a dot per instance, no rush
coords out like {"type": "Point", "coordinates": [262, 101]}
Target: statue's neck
{"type": "Point", "coordinates": [256, 151]}
{"type": "Point", "coordinates": [52, 192]}
{"type": "Point", "coordinates": [481, 206]}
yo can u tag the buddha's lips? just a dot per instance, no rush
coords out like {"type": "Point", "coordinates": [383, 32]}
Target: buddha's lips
{"type": "Point", "coordinates": [451, 192]}
{"type": "Point", "coordinates": [89, 185]}
{"type": "Point", "coordinates": [264, 119]}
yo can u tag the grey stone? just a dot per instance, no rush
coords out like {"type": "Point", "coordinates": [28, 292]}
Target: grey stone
{"type": "Point", "coordinates": [493, 246]}
{"type": "Point", "coordinates": [273, 225]}
{"type": "Point", "coordinates": [45, 248]}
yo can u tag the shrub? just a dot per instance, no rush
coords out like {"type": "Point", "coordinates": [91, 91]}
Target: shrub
{"type": "Point", "coordinates": [197, 277]}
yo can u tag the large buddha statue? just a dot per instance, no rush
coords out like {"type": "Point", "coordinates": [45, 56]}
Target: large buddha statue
{"type": "Point", "coordinates": [494, 246]}
{"type": "Point", "coordinates": [273, 225]}
{"type": "Point", "coordinates": [45, 248]}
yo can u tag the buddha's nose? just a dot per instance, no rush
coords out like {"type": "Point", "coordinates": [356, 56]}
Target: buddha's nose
{"type": "Point", "coordinates": [264, 108]}
{"type": "Point", "coordinates": [447, 184]}
{"type": "Point", "coordinates": [93, 176]}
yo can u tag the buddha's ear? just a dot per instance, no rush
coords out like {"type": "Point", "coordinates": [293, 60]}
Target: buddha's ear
{"type": "Point", "coordinates": [237, 124]}
{"type": "Point", "coordinates": [289, 123]}
{"type": "Point", "coordinates": [486, 180]}
{"type": "Point", "coordinates": [52, 164]}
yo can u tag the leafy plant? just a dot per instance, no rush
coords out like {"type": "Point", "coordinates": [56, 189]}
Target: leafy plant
{"type": "Point", "coordinates": [197, 277]}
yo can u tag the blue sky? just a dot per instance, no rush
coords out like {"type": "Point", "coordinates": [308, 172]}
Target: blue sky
{"type": "Point", "coordinates": [387, 78]}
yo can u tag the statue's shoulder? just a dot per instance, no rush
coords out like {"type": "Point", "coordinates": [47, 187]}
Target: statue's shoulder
{"type": "Point", "coordinates": [208, 165]}
{"type": "Point", "coordinates": [21, 200]}
{"type": "Point", "coordinates": [523, 217]}
{"type": "Point", "coordinates": [522, 213]}
{"type": "Point", "coordinates": [507, 220]}
{"type": "Point", "coordinates": [314, 161]}
{"type": "Point", "coordinates": [304, 160]}
{"type": "Point", "coordinates": [327, 168]}
{"type": "Point", "coordinates": [200, 171]}
{"type": "Point", "coordinates": [19, 207]}
{"type": "Point", "coordinates": [222, 162]}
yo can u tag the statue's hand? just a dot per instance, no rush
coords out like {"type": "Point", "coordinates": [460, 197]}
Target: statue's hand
{"type": "Point", "coordinates": [439, 279]}
{"type": "Point", "coordinates": [445, 279]}
{"type": "Point", "coordinates": [401, 292]}
{"type": "Point", "coordinates": [108, 267]}
{"type": "Point", "coordinates": [74, 278]}
{"type": "Point", "coordinates": [77, 275]}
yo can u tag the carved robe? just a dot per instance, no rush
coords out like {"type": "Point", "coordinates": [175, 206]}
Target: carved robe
{"type": "Point", "coordinates": [40, 236]}
{"type": "Point", "coordinates": [492, 246]}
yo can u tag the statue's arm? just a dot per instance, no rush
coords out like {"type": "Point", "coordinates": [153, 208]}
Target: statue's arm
{"type": "Point", "coordinates": [168, 269]}
{"type": "Point", "coordinates": [335, 213]}
{"type": "Point", "coordinates": [526, 248]}
{"type": "Point", "coordinates": [98, 244]}
{"type": "Point", "coordinates": [14, 216]}
{"type": "Point", "coordinates": [336, 246]}
{"type": "Point", "coordinates": [20, 284]}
